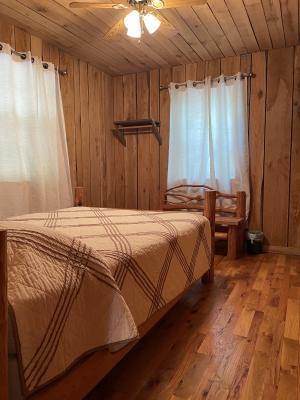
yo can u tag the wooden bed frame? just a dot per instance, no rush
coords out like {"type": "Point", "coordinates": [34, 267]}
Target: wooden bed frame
{"type": "Point", "coordinates": [87, 373]}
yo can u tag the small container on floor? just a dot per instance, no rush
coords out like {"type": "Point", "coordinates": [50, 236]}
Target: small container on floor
{"type": "Point", "coordinates": [255, 241]}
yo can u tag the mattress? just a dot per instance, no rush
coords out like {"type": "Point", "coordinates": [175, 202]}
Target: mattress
{"type": "Point", "coordinates": [145, 259]}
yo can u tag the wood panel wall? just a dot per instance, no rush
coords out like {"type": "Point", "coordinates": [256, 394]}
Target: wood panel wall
{"type": "Point", "coordinates": [274, 137]}
{"type": "Point", "coordinates": [87, 95]}
{"type": "Point", "coordinates": [135, 176]}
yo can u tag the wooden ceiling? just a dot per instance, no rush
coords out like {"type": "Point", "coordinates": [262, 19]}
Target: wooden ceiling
{"type": "Point", "coordinates": [221, 28]}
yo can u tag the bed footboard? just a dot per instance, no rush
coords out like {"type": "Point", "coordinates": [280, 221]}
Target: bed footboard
{"type": "Point", "coordinates": [3, 318]}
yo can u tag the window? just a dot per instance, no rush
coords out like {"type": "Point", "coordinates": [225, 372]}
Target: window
{"type": "Point", "coordinates": [34, 169]}
{"type": "Point", "coordinates": [209, 135]}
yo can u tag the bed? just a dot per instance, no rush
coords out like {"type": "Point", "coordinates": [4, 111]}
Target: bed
{"type": "Point", "coordinates": [85, 284]}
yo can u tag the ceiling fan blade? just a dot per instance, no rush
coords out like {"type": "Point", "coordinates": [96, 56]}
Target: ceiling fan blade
{"type": "Point", "coordinates": [115, 30]}
{"type": "Point", "coordinates": [166, 28]}
{"type": "Point", "coordinates": [183, 3]}
{"type": "Point", "coordinates": [116, 5]}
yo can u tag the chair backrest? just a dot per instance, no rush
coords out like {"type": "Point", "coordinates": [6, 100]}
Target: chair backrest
{"type": "Point", "coordinates": [191, 197]}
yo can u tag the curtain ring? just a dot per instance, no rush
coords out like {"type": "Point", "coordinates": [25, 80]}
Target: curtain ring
{"type": "Point", "coordinates": [1, 47]}
{"type": "Point", "coordinates": [176, 86]}
{"type": "Point", "coordinates": [23, 56]}
{"type": "Point", "coordinates": [194, 84]}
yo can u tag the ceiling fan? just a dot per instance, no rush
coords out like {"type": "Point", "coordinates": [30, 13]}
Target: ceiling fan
{"type": "Point", "coordinates": [144, 14]}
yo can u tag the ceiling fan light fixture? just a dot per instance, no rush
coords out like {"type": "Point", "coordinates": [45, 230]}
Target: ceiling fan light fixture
{"type": "Point", "coordinates": [151, 22]}
{"type": "Point", "coordinates": [132, 21]}
{"type": "Point", "coordinates": [158, 3]}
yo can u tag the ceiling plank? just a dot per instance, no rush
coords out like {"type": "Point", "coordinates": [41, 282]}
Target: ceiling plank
{"type": "Point", "coordinates": [166, 48]}
{"type": "Point", "coordinates": [209, 21]}
{"type": "Point", "coordinates": [110, 17]}
{"type": "Point", "coordinates": [193, 21]}
{"type": "Point", "coordinates": [272, 10]}
{"type": "Point", "coordinates": [54, 33]}
{"type": "Point", "coordinates": [241, 20]}
{"type": "Point", "coordinates": [209, 32]}
{"type": "Point", "coordinates": [189, 36]}
{"type": "Point", "coordinates": [290, 18]}
{"type": "Point", "coordinates": [19, 13]}
{"type": "Point", "coordinates": [156, 46]}
{"type": "Point", "coordinates": [185, 48]}
{"type": "Point", "coordinates": [257, 17]}
{"type": "Point", "coordinates": [61, 16]}
{"type": "Point", "coordinates": [226, 22]}
{"type": "Point", "coordinates": [107, 18]}
{"type": "Point", "coordinates": [98, 27]}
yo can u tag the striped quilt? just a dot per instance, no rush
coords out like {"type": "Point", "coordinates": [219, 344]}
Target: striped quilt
{"type": "Point", "coordinates": [83, 278]}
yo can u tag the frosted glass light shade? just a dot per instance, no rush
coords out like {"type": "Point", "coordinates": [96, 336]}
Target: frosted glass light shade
{"type": "Point", "coordinates": [151, 22]}
{"type": "Point", "coordinates": [158, 3]}
{"type": "Point", "coordinates": [132, 21]}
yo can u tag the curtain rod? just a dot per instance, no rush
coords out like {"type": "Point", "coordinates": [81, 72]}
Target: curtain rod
{"type": "Point", "coordinates": [23, 56]}
{"type": "Point", "coordinates": [195, 83]}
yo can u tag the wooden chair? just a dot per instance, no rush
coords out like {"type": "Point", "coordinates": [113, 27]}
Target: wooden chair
{"type": "Point", "coordinates": [230, 221]}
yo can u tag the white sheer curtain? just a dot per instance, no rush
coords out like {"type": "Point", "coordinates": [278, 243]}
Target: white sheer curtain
{"type": "Point", "coordinates": [34, 165]}
{"type": "Point", "coordinates": [209, 135]}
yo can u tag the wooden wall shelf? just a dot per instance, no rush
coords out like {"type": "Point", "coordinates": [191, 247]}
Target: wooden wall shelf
{"type": "Point", "coordinates": [136, 127]}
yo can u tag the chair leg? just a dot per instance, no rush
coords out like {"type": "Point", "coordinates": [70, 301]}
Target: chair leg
{"type": "Point", "coordinates": [241, 240]}
{"type": "Point", "coordinates": [232, 250]}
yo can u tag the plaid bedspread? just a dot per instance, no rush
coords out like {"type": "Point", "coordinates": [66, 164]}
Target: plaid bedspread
{"type": "Point", "coordinates": [82, 278]}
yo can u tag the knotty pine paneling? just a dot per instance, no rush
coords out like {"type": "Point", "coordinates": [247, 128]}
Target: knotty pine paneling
{"type": "Point", "coordinates": [274, 121]}
{"type": "Point", "coordinates": [154, 147]}
{"type": "Point", "coordinates": [136, 175]}
{"type": "Point", "coordinates": [257, 121]}
{"type": "Point", "coordinates": [131, 153]}
{"type": "Point", "coordinates": [294, 211]}
{"type": "Point", "coordinates": [278, 145]}
{"type": "Point", "coordinates": [164, 108]}
{"type": "Point", "coordinates": [87, 95]}
{"type": "Point", "coordinates": [143, 109]}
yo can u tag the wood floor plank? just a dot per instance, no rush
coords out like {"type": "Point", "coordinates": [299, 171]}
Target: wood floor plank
{"type": "Point", "coordinates": [244, 322]}
{"type": "Point", "coordinates": [254, 386]}
{"type": "Point", "coordinates": [237, 339]}
{"type": "Point", "coordinates": [287, 389]}
{"type": "Point", "coordinates": [243, 367]}
{"type": "Point", "coordinates": [291, 329]}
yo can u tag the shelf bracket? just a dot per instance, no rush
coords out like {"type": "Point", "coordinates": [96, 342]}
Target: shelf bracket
{"type": "Point", "coordinates": [120, 136]}
{"type": "Point", "coordinates": [136, 127]}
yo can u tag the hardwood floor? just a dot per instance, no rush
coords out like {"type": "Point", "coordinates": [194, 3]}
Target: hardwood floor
{"type": "Point", "coordinates": [236, 339]}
